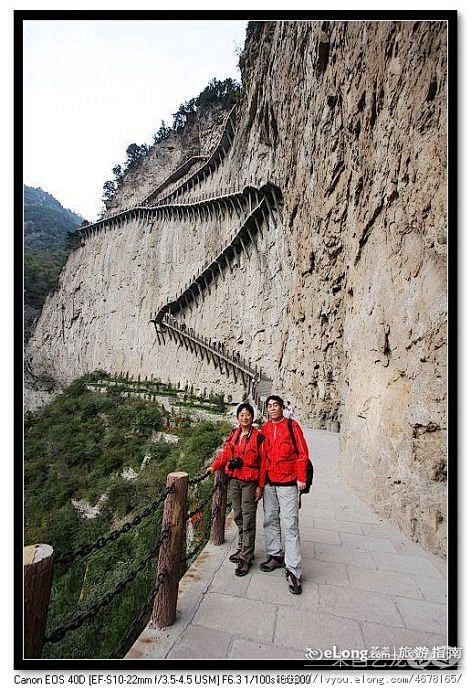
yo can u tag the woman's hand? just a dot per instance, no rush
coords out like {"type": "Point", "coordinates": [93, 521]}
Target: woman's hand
{"type": "Point", "coordinates": [209, 470]}
{"type": "Point", "coordinates": [258, 493]}
{"type": "Point", "coordinates": [301, 486]}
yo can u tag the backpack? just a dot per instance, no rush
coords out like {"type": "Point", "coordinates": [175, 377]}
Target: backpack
{"type": "Point", "coordinates": [309, 469]}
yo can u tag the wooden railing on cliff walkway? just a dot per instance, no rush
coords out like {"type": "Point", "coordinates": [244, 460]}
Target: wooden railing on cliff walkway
{"type": "Point", "coordinates": [39, 561]}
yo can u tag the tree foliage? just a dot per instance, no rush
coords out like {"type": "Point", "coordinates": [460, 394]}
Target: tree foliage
{"type": "Point", "coordinates": [76, 449]}
{"type": "Point", "coordinates": [217, 92]}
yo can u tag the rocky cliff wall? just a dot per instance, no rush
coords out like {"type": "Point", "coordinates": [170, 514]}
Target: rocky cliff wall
{"type": "Point", "coordinates": [343, 302]}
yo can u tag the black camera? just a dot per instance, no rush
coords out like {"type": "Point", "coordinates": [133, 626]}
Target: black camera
{"type": "Point", "coordinates": [235, 464]}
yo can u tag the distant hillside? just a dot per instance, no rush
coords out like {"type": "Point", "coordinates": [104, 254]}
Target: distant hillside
{"type": "Point", "coordinates": [46, 221]}
{"type": "Point", "coordinates": [46, 227]}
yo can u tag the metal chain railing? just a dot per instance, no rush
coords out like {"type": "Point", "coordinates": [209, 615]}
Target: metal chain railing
{"type": "Point", "coordinates": [196, 480]}
{"type": "Point", "coordinates": [197, 510]}
{"type": "Point", "coordinates": [205, 502]}
{"type": "Point", "coordinates": [132, 632]}
{"type": "Point", "coordinates": [84, 550]}
{"type": "Point", "coordinates": [60, 632]}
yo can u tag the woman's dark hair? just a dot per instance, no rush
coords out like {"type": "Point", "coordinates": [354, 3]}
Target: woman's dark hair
{"type": "Point", "coordinates": [245, 406]}
{"type": "Point", "coordinates": [276, 398]}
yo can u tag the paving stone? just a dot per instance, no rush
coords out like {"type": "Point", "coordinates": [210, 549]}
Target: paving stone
{"type": "Point", "coordinates": [225, 580]}
{"type": "Point", "coordinates": [247, 649]}
{"type": "Point", "coordinates": [276, 590]}
{"type": "Point", "coordinates": [322, 536]}
{"type": "Point", "coordinates": [381, 528]}
{"type": "Point", "coordinates": [245, 617]}
{"type": "Point", "coordinates": [381, 581]}
{"type": "Point", "coordinates": [296, 628]}
{"type": "Point", "coordinates": [385, 635]}
{"type": "Point", "coordinates": [405, 564]}
{"type": "Point", "coordinates": [323, 572]}
{"type": "Point", "coordinates": [355, 515]}
{"type": "Point", "coordinates": [343, 554]}
{"type": "Point", "coordinates": [201, 643]}
{"type": "Point", "coordinates": [423, 615]}
{"type": "Point", "coordinates": [366, 543]}
{"type": "Point", "coordinates": [432, 589]}
{"type": "Point", "coordinates": [338, 525]}
{"type": "Point", "coordinates": [307, 550]}
{"type": "Point", "coordinates": [325, 514]}
{"type": "Point", "coordinates": [359, 604]}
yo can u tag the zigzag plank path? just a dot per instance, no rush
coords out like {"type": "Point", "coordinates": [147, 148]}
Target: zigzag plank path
{"type": "Point", "coordinates": [212, 162]}
{"type": "Point", "coordinates": [260, 204]}
{"type": "Point", "coordinates": [228, 363]}
{"type": "Point", "coordinates": [365, 586]}
{"type": "Point", "coordinates": [176, 175]}
{"type": "Point", "coordinates": [230, 201]}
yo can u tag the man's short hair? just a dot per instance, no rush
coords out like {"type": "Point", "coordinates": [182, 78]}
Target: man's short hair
{"type": "Point", "coordinates": [276, 398]}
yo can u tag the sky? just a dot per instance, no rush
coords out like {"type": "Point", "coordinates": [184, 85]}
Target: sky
{"type": "Point", "coordinates": [91, 88]}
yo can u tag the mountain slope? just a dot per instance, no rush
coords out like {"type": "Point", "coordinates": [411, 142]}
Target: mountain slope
{"type": "Point", "coordinates": [46, 227]}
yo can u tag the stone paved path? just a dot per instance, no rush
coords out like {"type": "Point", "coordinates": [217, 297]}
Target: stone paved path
{"type": "Point", "coordinates": [364, 584]}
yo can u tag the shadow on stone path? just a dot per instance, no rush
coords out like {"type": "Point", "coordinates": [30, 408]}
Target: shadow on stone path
{"type": "Point", "coordinates": [365, 586]}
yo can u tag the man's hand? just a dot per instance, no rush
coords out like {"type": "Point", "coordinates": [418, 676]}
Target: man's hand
{"type": "Point", "coordinates": [209, 470]}
{"type": "Point", "coordinates": [258, 493]}
{"type": "Point", "coordinates": [301, 485]}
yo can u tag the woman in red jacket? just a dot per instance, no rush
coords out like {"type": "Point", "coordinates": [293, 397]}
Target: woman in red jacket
{"type": "Point", "coordinates": [243, 457]}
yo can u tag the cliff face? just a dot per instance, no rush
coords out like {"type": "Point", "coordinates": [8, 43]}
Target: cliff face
{"type": "Point", "coordinates": [341, 298]}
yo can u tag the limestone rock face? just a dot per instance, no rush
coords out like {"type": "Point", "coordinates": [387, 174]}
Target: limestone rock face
{"type": "Point", "coordinates": [342, 301]}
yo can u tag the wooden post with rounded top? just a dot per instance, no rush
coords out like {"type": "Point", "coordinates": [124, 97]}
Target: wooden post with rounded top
{"type": "Point", "coordinates": [38, 567]}
{"type": "Point", "coordinates": [171, 550]}
{"type": "Point", "coordinates": [218, 512]}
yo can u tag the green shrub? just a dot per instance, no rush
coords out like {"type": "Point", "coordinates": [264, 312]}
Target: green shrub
{"type": "Point", "coordinates": [76, 448]}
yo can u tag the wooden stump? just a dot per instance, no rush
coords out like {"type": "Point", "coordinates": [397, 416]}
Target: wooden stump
{"type": "Point", "coordinates": [38, 571]}
{"type": "Point", "coordinates": [171, 550]}
{"type": "Point", "coordinates": [219, 508]}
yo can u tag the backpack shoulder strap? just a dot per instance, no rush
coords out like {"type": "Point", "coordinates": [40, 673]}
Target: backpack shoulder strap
{"type": "Point", "coordinates": [233, 435]}
{"type": "Point", "coordinates": [291, 433]}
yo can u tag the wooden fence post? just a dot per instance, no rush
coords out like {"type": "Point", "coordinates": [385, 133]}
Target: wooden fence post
{"type": "Point", "coordinates": [218, 509]}
{"type": "Point", "coordinates": [171, 550]}
{"type": "Point", "coordinates": [38, 566]}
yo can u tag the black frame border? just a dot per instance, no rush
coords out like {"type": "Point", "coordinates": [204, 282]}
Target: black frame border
{"type": "Point", "coordinates": [450, 16]}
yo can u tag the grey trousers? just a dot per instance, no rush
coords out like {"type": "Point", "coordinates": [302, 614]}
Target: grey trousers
{"type": "Point", "coordinates": [282, 500]}
{"type": "Point", "coordinates": [245, 509]}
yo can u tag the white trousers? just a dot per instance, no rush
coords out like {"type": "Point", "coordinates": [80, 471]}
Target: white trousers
{"type": "Point", "coordinates": [282, 500]}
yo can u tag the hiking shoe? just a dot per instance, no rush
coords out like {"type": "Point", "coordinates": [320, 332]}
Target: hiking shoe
{"type": "Point", "coordinates": [294, 583]}
{"type": "Point", "coordinates": [234, 558]}
{"type": "Point", "coordinates": [242, 567]}
{"type": "Point", "coordinates": [272, 563]}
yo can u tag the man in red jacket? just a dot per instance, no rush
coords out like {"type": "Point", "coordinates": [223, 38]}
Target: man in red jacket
{"type": "Point", "coordinates": [285, 469]}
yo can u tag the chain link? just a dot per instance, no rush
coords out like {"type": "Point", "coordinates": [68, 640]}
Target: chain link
{"type": "Point", "coordinates": [200, 507]}
{"type": "Point", "coordinates": [133, 628]}
{"type": "Point", "coordinates": [79, 620]}
{"type": "Point", "coordinates": [196, 480]}
{"type": "Point", "coordinates": [69, 556]}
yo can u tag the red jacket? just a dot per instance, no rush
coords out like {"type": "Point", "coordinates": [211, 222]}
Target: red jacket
{"type": "Point", "coordinates": [283, 465]}
{"type": "Point", "coordinates": [250, 449]}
